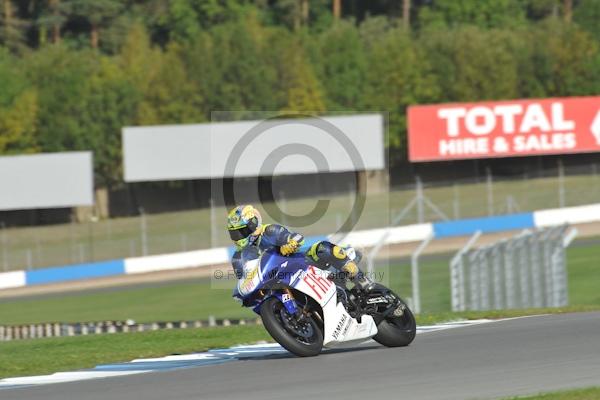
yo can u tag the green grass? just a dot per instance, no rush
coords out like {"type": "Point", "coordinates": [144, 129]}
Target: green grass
{"type": "Point", "coordinates": [44, 356]}
{"type": "Point", "coordinates": [583, 279]}
{"type": "Point", "coordinates": [197, 300]}
{"type": "Point", "coordinates": [186, 230]}
{"type": "Point", "coordinates": [169, 302]}
{"type": "Point", "coordinates": [48, 355]}
{"type": "Point", "coordinates": [200, 298]}
{"type": "Point", "coordinates": [584, 274]}
{"type": "Point", "coordinates": [435, 283]}
{"type": "Point", "coordinates": [579, 394]}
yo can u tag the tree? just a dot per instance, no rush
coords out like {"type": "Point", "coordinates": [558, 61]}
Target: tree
{"type": "Point", "coordinates": [235, 66]}
{"type": "Point", "coordinates": [373, 29]}
{"type": "Point", "coordinates": [303, 90]}
{"type": "Point", "coordinates": [136, 58]}
{"type": "Point", "coordinates": [98, 13]}
{"type": "Point", "coordinates": [406, 14]}
{"type": "Point", "coordinates": [341, 66]}
{"type": "Point", "coordinates": [110, 103]}
{"type": "Point", "coordinates": [472, 63]}
{"type": "Point", "coordinates": [164, 88]}
{"type": "Point", "coordinates": [291, 13]}
{"type": "Point", "coordinates": [61, 77]}
{"type": "Point", "coordinates": [171, 97]}
{"type": "Point", "coordinates": [587, 15]}
{"type": "Point", "coordinates": [18, 108]}
{"type": "Point", "coordinates": [483, 13]}
{"type": "Point", "coordinates": [12, 28]}
{"type": "Point", "coordinates": [18, 124]}
{"type": "Point", "coordinates": [566, 59]}
{"type": "Point", "coordinates": [51, 18]}
{"type": "Point", "coordinates": [337, 9]}
{"type": "Point", "coordinates": [182, 20]}
{"type": "Point", "coordinates": [568, 10]}
{"type": "Point", "coordinates": [400, 75]}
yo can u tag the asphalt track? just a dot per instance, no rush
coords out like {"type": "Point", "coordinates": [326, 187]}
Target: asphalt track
{"type": "Point", "coordinates": [499, 359]}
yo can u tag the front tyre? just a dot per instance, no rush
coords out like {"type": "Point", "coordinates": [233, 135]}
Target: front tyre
{"type": "Point", "coordinates": [302, 338]}
{"type": "Point", "coordinates": [397, 331]}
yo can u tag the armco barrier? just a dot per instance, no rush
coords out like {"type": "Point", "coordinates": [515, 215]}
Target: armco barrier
{"type": "Point", "coordinates": [403, 234]}
{"type": "Point", "coordinates": [58, 329]}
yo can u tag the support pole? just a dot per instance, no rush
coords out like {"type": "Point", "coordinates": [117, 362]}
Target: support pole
{"type": "Point", "coordinates": [415, 273]}
{"type": "Point", "coordinates": [213, 224]}
{"type": "Point", "coordinates": [490, 191]}
{"type": "Point", "coordinates": [456, 202]}
{"type": "Point", "coordinates": [382, 240]}
{"type": "Point", "coordinates": [420, 200]}
{"type": "Point", "coordinates": [536, 271]}
{"type": "Point", "coordinates": [524, 272]}
{"type": "Point", "coordinates": [484, 279]}
{"type": "Point", "coordinates": [4, 247]}
{"type": "Point", "coordinates": [561, 296]}
{"type": "Point", "coordinates": [457, 275]}
{"type": "Point", "coordinates": [561, 184]}
{"type": "Point", "coordinates": [497, 252]}
{"type": "Point", "coordinates": [143, 232]}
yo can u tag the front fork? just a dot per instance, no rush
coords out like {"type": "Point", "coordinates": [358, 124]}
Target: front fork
{"type": "Point", "coordinates": [287, 299]}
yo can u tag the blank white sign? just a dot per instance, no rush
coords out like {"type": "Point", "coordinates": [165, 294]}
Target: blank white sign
{"type": "Point", "coordinates": [253, 148]}
{"type": "Point", "coordinates": [50, 180]}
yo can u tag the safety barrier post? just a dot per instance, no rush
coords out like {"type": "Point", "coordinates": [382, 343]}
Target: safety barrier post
{"type": "Point", "coordinates": [457, 274]}
{"type": "Point", "coordinates": [415, 273]}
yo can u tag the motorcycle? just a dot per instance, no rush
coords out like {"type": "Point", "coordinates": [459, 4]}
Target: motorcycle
{"type": "Point", "coordinates": [305, 308]}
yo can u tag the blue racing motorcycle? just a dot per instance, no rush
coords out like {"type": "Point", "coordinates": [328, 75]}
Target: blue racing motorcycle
{"type": "Point", "coordinates": [305, 308]}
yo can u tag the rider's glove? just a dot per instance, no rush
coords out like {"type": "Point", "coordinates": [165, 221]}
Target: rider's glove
{"type": "Point", "coordinates": [289, 248]}
{"type": "Point", "coordinates": [351, 269]}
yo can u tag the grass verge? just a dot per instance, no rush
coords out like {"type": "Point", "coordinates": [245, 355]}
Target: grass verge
{"type": "Point", "coordinates": [580, 394]}
{"type": "Point", "coordinates": [44, 356]}
{"type": "Point", "coordinates": [198, 299]}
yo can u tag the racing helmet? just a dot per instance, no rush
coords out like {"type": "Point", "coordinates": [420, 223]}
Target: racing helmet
{"type": "Point", "coordinates": [243, 222]}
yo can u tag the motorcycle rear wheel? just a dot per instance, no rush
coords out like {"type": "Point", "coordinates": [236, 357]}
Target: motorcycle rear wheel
{"type": "Point", "coordinates": [274, 316]}
{"type": "Point", "coordinates": [397, 331]}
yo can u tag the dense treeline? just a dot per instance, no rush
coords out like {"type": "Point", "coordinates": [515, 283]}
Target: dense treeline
{"type": "Point", "coordinates": [73, 72]}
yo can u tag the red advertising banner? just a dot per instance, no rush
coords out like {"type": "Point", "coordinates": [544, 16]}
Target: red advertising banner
{"type": "Point", "coordinates": [504, 128]}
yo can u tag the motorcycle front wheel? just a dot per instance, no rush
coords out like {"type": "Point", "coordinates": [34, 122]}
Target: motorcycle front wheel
{"type": "Point", "coordinates": [300, 337]}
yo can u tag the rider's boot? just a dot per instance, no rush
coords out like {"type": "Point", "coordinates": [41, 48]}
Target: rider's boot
{"type": "Point", "coordinates": [357, 277]}
{"type": "Point", "coordinates": [363, 282]}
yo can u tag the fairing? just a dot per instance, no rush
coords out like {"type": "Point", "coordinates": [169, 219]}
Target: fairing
{"type": "Point", "coordinates": [276, 271]}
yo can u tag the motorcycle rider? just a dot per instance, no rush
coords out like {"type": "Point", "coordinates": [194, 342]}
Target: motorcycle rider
{"type": "Point", "coordinates": [251, 236]}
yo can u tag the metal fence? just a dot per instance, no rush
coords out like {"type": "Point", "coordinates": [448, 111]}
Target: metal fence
{"type": "Point", "coordinates": [528, 270]}
{"type": "Point", "coordinates": [493, 193]}
{"type": "Point", "coordinates": [421, 201]}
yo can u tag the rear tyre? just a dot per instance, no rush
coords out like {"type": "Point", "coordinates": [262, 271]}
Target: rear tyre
{"type": "Point", "coordinates": [303, 338]}
{"type": "Point", "coordinates": [397, 331]}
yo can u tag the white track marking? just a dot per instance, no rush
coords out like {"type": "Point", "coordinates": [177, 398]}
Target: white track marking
{"type": "Point", "coordinates": [211, 357]}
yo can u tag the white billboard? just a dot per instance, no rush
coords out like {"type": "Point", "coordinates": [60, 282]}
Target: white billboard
{"type": "Point", "coordinates": [253, 148]}
{"type": "Point", "coordinates": [50, 180]}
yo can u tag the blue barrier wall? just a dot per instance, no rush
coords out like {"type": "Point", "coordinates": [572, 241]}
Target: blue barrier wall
{"type": "Point", "coordinates": [485, 225]}
{"type": "Point", "coordinates": [75, 272]}
{"type": "Point", "coordinates": [440, 229]}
